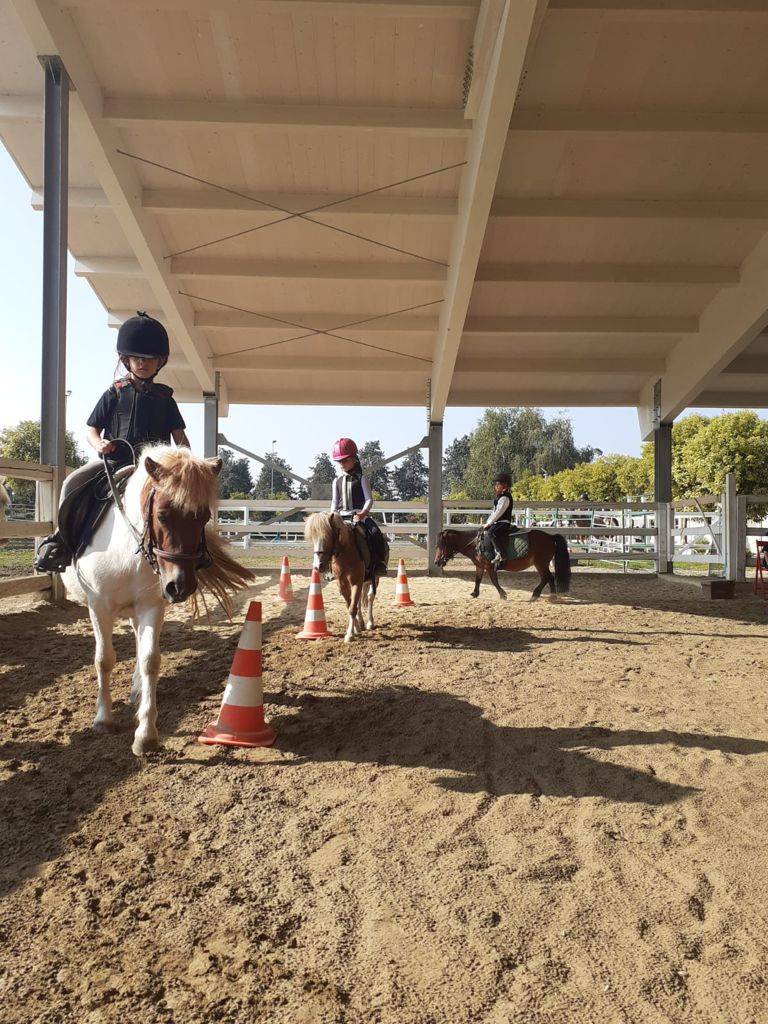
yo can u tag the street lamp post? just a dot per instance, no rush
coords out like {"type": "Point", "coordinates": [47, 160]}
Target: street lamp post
{"type": "Point", "coordinates": [272, 471]}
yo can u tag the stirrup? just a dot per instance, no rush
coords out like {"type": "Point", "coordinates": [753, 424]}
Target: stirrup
{"type": "Point", "coordinates": [52, 555]}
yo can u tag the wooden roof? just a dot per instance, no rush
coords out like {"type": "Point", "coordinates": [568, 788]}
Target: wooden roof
{"type": "Point", "coordinates": [605, 227]}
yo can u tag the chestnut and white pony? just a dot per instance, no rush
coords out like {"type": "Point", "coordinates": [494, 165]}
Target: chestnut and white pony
{"type": "Point", "coordinates": [335, 548]}
{"type": "Point", "coordinates": [167, 503]}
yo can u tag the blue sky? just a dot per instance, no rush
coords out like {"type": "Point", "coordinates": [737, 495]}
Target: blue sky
{"type": "Point", "coordinates": [299, 434]}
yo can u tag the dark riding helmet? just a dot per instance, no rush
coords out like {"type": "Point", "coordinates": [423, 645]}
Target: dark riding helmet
{"type": "Point", "coordinates": [142, 335]}
{"type": "Point", "coordinates": [503, 478]}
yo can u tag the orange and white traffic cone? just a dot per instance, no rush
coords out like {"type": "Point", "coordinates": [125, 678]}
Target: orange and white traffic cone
{"type": "Point", "coordinates": [402, 594]}
{"type": "Point", "coordinates": [285, 590]}
{"type": "Point", "coordinates": [315, 627]}
{"type": "Point", "coordinates": [241, 718]}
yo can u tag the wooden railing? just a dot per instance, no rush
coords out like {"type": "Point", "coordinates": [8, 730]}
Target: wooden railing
{"type": "Point", "coordinates": [45, 509]}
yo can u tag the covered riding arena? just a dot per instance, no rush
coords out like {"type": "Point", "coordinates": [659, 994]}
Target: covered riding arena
{"type": "Point", "coordinates": [482, 811]}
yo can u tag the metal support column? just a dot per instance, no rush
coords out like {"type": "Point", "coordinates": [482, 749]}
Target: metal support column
{"type": "Point", "coordinates": [211, 421]}
{"type": "Point", "coordinates": [435, 503]}
{"type": "Point", "coordinates": [733, 569]}
{"type": "Point", "coordinates": [55, 158]}
{"type": "Point", "coordinates": [55, 216]}
{"type": "Point", "coordinates": [662, 491]}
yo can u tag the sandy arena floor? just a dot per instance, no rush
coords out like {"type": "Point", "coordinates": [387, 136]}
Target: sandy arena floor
{"type": "Point", "coordinates": [483, 812]}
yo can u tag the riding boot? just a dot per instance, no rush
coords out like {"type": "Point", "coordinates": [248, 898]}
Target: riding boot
{"type": "Point", "coordinates": [53, 554]}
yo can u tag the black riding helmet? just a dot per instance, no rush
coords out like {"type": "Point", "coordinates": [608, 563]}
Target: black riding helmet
{"type": "Point", "coordinates": [503, 478]}
{"type": "Point", "coordinates": [142, 335]}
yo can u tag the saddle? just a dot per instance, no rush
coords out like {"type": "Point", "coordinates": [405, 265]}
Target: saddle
{"type": "Point", "coordinates": [364, 548]}
{"type": "Point", "coordinates": [83, 510]}
{"type": "Point", "coordinates": [517, 547]}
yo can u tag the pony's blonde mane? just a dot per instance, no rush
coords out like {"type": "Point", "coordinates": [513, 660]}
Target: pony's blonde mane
{"type": "Point", "coordinates": [189, 483]}
{"type": "Point", "coordinates": [318, 527]}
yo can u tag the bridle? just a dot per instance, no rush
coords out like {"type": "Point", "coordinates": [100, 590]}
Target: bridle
{"type": "Point", "coordinates": [459, 550]}
{"type": "Point", "coordinates": [145, 539]}
{"type": "Point", "coordinates": [148, 548]}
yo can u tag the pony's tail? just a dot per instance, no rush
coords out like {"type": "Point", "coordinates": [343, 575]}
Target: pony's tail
{"type": "Point", "coordinates": [562, 565]}
{"type": "Point", "coordinates": [222, 578]}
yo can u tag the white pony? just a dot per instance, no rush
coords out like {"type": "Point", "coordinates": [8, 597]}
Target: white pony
{"type": "Point", "coordinates": [142, 560]}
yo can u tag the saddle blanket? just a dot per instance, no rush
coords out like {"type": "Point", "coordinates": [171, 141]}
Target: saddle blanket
{"type": "Point", "coordinates": [518, 546]}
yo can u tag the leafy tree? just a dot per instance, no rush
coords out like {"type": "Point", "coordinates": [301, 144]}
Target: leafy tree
{"type": "Point", "coordinates": [268, 479]}
{"type": "Point", "coordinates": [735, 442]}
{"type": "Point", "coordinates": [235, 476]}
{"type": "Point", "coordinates": [321, 477]}
{"type": "Point", "coordinates": [23, 442]}
{"type": "Point", "coordinates": [455, 464]}
{"type": "Point", "coordinates": [411, 477]}
{"type": "Point", "coordinates": [380, 477]}
{"type": "Point", "coordinates": [520, 441]}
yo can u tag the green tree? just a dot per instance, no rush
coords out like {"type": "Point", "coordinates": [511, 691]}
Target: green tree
{"type": "Point", "coordinates": [411, 477]}
{"type": "Point", "coordinates": [371, 459]}
{"type": "Point", "coordinates": [455, 465]}
{"type": "Point", "coordinates": [235, 476]}
{"type": "Point", "coordinates": [735, 442]}
{"type": "Point", "coordinates": [274, 482]}
{"type": "Point", "coordinates": [23, 442]}
{"type": "Point", "coordinates": [321, 477]}
{"type": "Point", "coordinates": [520, 441]}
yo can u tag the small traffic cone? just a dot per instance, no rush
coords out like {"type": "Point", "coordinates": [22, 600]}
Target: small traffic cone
{"type": "Point", "coordinates": [402, 594]}
{"type": "Point", "coordinates": [285, 590]}
{"type": "Point", "coordinates": [241, 718]}
{"type": "Point", "coordinates": [315, 627]}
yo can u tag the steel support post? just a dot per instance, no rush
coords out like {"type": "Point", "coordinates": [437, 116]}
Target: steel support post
{"type": "Point", "coordinates": [435, 502]}
{"type": "Point", "coordinates": [730, 530]}
{"type": "Point", "coordinates": [55, 215]}
{"type": "Point", "coordinates": [662, 487]}
{"type": "Point", "coordinates": [211, 422]}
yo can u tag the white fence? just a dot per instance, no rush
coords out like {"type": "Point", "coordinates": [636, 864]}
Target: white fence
{"type": "Point", "coordinates": [605, 531]}
{"type": "Point", "coordinates": [47, 492]}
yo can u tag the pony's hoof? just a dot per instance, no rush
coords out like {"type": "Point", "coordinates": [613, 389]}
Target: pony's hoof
{"type": "Point", "coordinates": [368, 626]}
{"type": "Point", "coordinates": [145, 745]}
{"type": "Point", "coordinates": [473, 594]}
{"type": "Point", "coordinates": [503, 597]}
{"type": "Point", "coordinates": [348, 639]}
{"type": "Point", "coordinates": [104, 728]}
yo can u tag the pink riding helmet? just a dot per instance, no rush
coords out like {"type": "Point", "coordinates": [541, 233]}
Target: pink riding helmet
{"type": "Point", "coordinates": [344, 448]}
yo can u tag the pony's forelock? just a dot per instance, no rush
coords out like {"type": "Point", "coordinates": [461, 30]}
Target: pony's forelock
{"type": "Point", "coordinates": [189, 483]}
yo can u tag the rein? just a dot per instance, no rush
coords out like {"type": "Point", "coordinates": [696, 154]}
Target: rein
{"type": "Point", "coordinates": [146, 541]}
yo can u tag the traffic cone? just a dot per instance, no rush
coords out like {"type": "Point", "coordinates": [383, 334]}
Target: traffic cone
{"type": "Point", "coordinates": [402, 594]}
{"type": "Point", "coordinates": [314, 620]}
{"type": "Point", "coordinates": [285, 591]}
{"type": "Point", "coordinates": [241, 718]}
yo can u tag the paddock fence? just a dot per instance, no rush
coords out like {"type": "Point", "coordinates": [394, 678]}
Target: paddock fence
{"type": "Point", "coordinates": [28, 523]}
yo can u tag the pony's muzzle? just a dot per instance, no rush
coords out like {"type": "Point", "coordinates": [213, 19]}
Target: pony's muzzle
{"type": "Point", "coordinates": [179, 586]}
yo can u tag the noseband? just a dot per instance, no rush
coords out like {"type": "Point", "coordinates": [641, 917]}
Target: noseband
{"type": "Point", "coordinates": [147, 547]}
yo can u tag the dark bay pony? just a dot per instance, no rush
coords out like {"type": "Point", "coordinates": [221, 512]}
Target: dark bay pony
{"type": "Point", "coordinates": [543, 548]}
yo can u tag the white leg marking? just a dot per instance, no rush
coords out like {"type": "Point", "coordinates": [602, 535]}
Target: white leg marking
{"type": "Point", "coordinates": [104, 660]}
{"type": "Point", "coordinates": [150, 624]}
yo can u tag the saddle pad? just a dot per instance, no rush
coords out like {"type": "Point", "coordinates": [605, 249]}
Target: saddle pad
{"type": "Point", "coordinates": [518, 546]}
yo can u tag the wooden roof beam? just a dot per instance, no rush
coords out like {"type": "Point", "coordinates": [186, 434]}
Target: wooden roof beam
{"type": "Point", "coordinates": [211, 200]}
{"type": "Point", "coordinates": [79, 198]}
{"type": "Point", "coordinates": [52, 32]}
{"type": "Point", "coordinates": [657, 7]}
{"type": "Point", "coordinates": [648, 122]}
{"type": "Point", "coordinates": [458, 9]}
{"type": "Point", "coordinates": [128, 112]}
{"type": "Point", "coordinates": [631, 209]}
{"type": "Point", "coordinates": [518, 28]}
{"type": "Point", "coordinates": [728, 325]}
